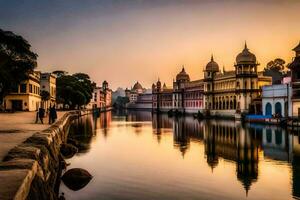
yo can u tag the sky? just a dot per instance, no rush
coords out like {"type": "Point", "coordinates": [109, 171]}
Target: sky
{"type": "Point", "coordinates": [124, 41]}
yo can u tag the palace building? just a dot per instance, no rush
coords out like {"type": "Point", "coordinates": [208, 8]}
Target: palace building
{"type": "Point", "coordinates": [227, 93]}
{"type": "Point", "coordinates": [185, 96]}
{"type": "Point", "coordinates": [134, 92]}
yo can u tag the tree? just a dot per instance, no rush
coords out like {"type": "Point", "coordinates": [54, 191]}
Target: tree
{"type": "Point", "coordinates": [275, 69]}
{"type": "Point", "coordinates": [121, 102]}
{"type": "Point", "coordinates": [74, 90]}
{"type": "Point", "coordinates": [60, 73]}
{"type": "Point", "coordinates": [17, 61]}
{"type": "Point", "coordinates": [45, 96]}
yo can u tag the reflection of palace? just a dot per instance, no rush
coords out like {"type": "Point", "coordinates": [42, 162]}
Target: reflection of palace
{"type": "Point", "coordinates": [232, 141]}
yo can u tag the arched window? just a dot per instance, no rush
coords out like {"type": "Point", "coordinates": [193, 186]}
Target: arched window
{"type": "Point", "coordinates": [268, 109]}
{"type": "Point", "coordinates": [278, 109]}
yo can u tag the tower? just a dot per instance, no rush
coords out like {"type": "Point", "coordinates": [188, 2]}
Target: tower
{"type": "Point", "coordinates": [209, 74]}
{"type": "Point", "coordinates": [246, 79]}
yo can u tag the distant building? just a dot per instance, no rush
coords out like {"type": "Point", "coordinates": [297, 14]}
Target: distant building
{"type": "Point", "coordinates": [26, 96]}
{"type": "Point", "coordinates": [139, 97]}
{"type": "Point", "coordinates": [143, 102]}
{"type": "Point", "coordinates": [133, 93]}
{"type": "Point", "coordinates": [101, 97]}
{"type": "Point", "coordinates": [185, 96]}
{"type": "Point", "coordinates": [48, 83]}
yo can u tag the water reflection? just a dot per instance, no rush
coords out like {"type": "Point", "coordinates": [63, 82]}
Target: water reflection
{"type": "Point", "coordinates": [264, 160]}
{"type": "Point", "coordinates": [234, 141]}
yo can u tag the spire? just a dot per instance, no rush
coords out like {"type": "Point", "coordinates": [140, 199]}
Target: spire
{"type": "Point", "coordinates": [212, 57]}
{"type": "Point", "coordinates": [183, 68]}
{"type": "Point", "coordinates": [246, 45]}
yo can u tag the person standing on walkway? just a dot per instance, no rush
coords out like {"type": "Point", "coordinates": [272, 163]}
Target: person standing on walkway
{"type": "Point", "coordinates": [52, 114]}
{"type": "Point", "coordinates": [41, 114]}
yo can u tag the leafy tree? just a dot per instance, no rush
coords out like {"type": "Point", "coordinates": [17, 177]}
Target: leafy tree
{"type": "Point", "coordinates": [17, 61]}
{"type": "Point", "coordinates": [275, 69]}
{"type": "Point", "coordinates": [121, 102]}
{"type": "Point", "coordinates": [60, 73]}
{"type": "Point", "coordinates": [45, 95]}
{"type": "Point", "coordinates": [74, 90]}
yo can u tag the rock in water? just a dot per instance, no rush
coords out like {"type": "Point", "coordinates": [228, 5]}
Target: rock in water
{"type": "Point", "coordinates": [68, 150]}
{"type": "Point", "coordinates": [76, 178]}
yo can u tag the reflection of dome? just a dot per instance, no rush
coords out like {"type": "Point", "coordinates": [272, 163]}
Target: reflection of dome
{"type": "Point", "coordinates": [212, 65]}
{"type": "Point", "coordinates": [245, 56]}
{"type": "Point", "coordinates": [182, 76]}
{"type": "Point", "coordinates": [137, 86]}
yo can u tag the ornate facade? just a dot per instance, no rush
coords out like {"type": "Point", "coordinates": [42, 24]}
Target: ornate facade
{"type": "Point", "coordinates": [235, 91]}
{"type": "Point", "coordinates": [185, 96]}
{"type": "Point", "coordinates": [219, 93]}
{"type": "Point", "coordinates": [134, 92]}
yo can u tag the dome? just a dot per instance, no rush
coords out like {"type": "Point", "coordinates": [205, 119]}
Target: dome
{"type": "Point", "coordinates": [245, 56]}
{"type": "Point", "coordinates": [212, 65]}
{"type": "Point", "coordinates": [137, 86]}
{"type": "Point", "coordinates": [182, 76]}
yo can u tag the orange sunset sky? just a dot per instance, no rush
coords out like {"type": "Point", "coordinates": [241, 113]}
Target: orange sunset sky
{"type": "Point", "coordinates": [135, 40]}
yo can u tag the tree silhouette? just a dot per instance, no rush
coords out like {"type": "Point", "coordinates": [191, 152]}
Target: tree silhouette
{"type": "Point", "coordinates": [275, 69]}
{"type": "Point", "coordinates": [17, 61]}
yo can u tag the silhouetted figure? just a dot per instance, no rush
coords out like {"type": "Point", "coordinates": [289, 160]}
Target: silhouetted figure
{"type": "Point", "coordinates": [52, 114]}
{"type": "Point", "coordinates": [41, 114]}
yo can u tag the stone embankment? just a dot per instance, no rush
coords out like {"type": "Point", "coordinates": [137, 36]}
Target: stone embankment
{"type": "Point", "coordinates": [32, 169]}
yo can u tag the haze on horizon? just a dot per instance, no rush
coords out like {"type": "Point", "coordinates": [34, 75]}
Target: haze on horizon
{"type": "Point", "coordinates": [123, 41]}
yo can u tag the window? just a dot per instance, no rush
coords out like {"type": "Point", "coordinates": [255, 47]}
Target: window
{"type": "Point", "coordinates": [30, 88]}
{"type": "Point", "coordinates": [23, 88]}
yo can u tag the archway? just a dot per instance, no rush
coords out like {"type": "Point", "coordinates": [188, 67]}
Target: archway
{"type": "Point", "coordinates": [268, 109]}
{"type": "Point", "coordinates": [278, 109]}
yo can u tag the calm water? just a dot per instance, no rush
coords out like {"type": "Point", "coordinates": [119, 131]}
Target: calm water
{"type": "Point", "coordinates": [139, 156]}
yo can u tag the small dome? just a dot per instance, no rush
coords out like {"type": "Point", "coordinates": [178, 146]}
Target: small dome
{"type": "Point", "coordinates": [245, 56]}
{"type": "Point", "coordinates": [182, 76]}
{"type": "Point", "coordinates": [212, 65]}
{"type": "Point", "coordinates": [137, 86]}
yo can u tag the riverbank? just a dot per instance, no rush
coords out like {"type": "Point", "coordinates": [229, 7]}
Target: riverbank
{"type": "Point", "coordinates": [30, 169]}
{"type": "Point", "coordinates": [16, 127]}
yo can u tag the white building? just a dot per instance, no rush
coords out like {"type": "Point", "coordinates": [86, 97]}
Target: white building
{"type": "Point", "coordinates": [276, 99]}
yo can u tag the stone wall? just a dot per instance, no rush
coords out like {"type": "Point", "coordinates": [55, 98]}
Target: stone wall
{"type": "Point", "coordinates": [32, 169]}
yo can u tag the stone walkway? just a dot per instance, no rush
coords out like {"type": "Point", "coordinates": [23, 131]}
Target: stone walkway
{"type": "Point", "coordinates": [16, 127]}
